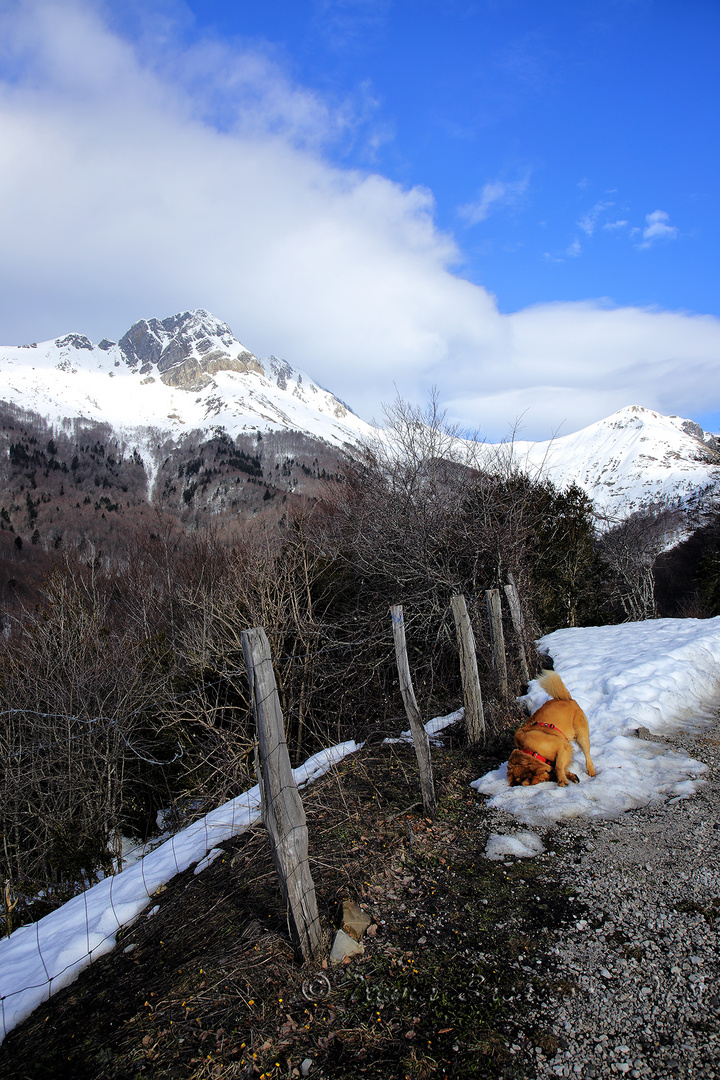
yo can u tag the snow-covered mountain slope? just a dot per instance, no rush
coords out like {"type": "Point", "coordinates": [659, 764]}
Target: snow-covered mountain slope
{"type": "Point", "coordinates": [189, 373]}
{"type": "Point", "coordinates": [186, 372]}
{"type": "Point", "coordinates": [633, 459]}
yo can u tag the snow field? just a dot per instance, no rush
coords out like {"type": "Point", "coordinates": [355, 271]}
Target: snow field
{"type": "Point", "coordinates": [663, 675]}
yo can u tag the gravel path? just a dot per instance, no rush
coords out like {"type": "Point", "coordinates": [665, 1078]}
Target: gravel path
{"type": "Point", "coordinates": [643, 955]}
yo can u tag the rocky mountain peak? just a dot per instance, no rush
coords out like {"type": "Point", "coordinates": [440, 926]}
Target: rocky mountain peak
{"type": "Point", "coordinates": [187, 349]}
{"type": "Point", "coordinates": [74, 341]}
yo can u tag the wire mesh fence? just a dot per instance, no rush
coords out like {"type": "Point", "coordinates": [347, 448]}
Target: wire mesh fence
{"type": "Point", "coordinates": [41, 957]}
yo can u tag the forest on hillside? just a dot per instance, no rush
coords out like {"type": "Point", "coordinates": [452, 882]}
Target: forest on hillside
{"type": "Point", "coordinates": [123, 691]}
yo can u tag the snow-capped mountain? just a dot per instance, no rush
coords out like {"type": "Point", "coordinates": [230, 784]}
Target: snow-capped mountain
{"type": "Point", "coordinates": [632, 460]}
{"type": "Point", "coordinates": [186, 372]}
{"type": "Point", "coordinates": [166, 378]}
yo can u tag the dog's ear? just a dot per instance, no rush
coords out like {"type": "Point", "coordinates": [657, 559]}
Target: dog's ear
{"type": "Point", "coordinates": [541, 776]}
{"type": "Point", "coordinates": [517, 771]}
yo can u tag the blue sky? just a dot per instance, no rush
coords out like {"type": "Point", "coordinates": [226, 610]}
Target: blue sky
{"type": "Point", "coordinates": [547, 132]}
{"type": "Point", "coordinates": [514, 201]}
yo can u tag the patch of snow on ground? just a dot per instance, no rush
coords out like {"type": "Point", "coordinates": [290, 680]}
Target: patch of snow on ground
{"type": "Point", "coordinates": [663, 675]}
{"type": "Point", "coordinates": [433, 728]}
{"type": "Point", "coordinates": [522, 845]}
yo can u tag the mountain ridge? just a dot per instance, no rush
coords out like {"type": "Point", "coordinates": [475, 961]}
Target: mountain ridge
{"type": "Point", "coordinates": [632, 460]}
{"type": "Point", "coordinates": [187, 374]}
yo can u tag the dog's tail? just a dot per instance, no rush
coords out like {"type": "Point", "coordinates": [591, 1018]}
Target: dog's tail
{"type": "Point", "coordinates": [553, 685]}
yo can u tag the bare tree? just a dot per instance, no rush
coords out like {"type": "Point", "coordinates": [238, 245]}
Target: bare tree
{"type": "Point", "coordinates": [630, 549]}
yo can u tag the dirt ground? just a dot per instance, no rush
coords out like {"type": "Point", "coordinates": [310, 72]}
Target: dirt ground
{"type": "Point", "coordinates": [208, 986]}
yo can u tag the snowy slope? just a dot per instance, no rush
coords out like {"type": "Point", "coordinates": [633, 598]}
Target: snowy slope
{"type": "Point", "coordinates": [187, 372]}
{"type": "Point", "coordinates": [630, 460]}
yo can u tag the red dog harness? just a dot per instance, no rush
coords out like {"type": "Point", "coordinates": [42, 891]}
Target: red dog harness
{"type": "Point", "coordinates": [541, 723]}
{"type": "Point", "coordinates": [539, 757]}
{"type": "Point", "coordinates": [531, 753]}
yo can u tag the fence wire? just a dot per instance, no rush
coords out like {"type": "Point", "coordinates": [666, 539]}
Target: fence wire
{"type": "Point", "coordinates": [119, 899]}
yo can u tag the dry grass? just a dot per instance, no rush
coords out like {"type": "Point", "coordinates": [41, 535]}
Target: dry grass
{"type": "Point", "coordinates": [209, 988]}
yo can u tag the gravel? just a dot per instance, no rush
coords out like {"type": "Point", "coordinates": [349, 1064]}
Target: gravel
{"type": "Point", "coordinates": [639, 964]}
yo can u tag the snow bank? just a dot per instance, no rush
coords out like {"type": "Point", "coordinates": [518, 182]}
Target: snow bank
{"type": "Point", "coordinates": [41, 958]}
{"type": "Point", "coordinates": [663, 675]}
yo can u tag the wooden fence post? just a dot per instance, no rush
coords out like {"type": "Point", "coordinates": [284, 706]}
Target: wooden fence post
{"type": "Point", "coordinates": [518, 624]}
{"type": "Point", "coordinates": [419, 734]}
{"type": "Point", "coordinates": [282, 810]}
{"type": "Point", "coordinates": [497, 638]}
{"type": "Point", "coordinates": [474, 715]}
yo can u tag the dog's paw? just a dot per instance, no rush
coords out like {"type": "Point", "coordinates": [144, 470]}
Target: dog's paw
{"type": "Point", "coordinates": [571, 776]}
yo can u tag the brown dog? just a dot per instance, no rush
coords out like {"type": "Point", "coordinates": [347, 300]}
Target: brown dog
{"type": "Point", "coordinates": [544, 750]}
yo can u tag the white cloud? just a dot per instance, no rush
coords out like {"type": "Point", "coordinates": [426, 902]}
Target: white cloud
{"type": "Point", "coordinates": [657, 228]}
{"type": "Point", "coordinates": [138, 182]}
{"type": "Point", "coordinates": [494, 193]}
{"type": "Point", "coordinates": [567, 364]}
{"type": "Point", "coordinates": [620, 224]}
{"type": "Point", "coordinates": [589, 221]}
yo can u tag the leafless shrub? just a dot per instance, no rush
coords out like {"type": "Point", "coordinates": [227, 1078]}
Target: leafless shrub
{"type": "Point", "coordinates": [80, 737]}
{"type": "Point", "coordinates": [631, 548]}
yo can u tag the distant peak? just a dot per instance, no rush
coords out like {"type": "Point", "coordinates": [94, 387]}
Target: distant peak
{"type": "Point", "coordinates": [74, 341]}
{"type": "Point", "coordinates": [187, 349]}
{"type": "Point", "coordinates": [633, 411]}
{"type": "Point", "coordinates": [641, 414]}
{"type": "Point", "coordinates": [196, 321]}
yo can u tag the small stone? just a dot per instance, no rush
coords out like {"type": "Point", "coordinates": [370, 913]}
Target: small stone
{"type": "Point", "coordinates": [306, 1066]}
{"type": "Point", "coordinates": [354, 920]}
{"type": "Point", "coordinates": [344, 946]}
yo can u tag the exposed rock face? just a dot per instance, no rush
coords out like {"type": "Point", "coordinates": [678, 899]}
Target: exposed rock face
{"type": "Point", "coordinates": [74, 341]}
{"type": "Point", "coordinates": [281, 370]}
{"type": "Point", "coordinates": [186, 349]}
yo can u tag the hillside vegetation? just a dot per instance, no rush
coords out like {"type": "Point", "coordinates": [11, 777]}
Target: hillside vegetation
{"type": "Point", "coordinates": [123, 684]}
